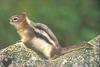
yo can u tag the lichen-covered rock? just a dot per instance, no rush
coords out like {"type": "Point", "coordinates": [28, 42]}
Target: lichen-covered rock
{"type": "Point", "coordinates": [18, 55]}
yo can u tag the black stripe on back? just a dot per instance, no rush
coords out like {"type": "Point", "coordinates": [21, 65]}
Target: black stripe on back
{"type": "Point", "coordinates": [42, 37]}
{"type": "Point", "coordinates": [43, 30]}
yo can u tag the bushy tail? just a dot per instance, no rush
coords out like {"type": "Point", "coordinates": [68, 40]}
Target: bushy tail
{"type": "Point", "coordinates": [75, 48]}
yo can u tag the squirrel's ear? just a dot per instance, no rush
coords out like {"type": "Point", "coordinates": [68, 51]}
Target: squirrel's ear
{"type": "Point", "coordinates": [24, 13]}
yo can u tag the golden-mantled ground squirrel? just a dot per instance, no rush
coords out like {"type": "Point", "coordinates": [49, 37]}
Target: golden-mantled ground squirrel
{"type": "Point", "coordinates": [39, 36]}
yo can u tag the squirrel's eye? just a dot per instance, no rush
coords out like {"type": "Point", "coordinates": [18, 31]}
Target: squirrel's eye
{"type": "Point", "coordinates": [15, 18]}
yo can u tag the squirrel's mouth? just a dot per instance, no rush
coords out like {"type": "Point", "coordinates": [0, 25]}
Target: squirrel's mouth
{"type": "Point", "coordinates": [11, 22]}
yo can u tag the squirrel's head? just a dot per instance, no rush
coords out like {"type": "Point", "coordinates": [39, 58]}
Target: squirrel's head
{"type": "Point", "coordinates": [16, 20]}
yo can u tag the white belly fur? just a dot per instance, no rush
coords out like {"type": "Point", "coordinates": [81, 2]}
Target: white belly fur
{"type": "Point", "coordinates": [42, 46]}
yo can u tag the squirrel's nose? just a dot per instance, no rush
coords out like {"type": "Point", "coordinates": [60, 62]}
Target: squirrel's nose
{"type": "Point", "coordinates": [10, 20]}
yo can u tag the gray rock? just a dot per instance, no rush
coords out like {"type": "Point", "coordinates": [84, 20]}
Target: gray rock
{"type": "Point", "coordinates": [18, 55]}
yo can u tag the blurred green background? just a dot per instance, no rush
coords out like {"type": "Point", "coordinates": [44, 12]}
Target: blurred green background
{"type": "Point", "coordinates": [72, 21]}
